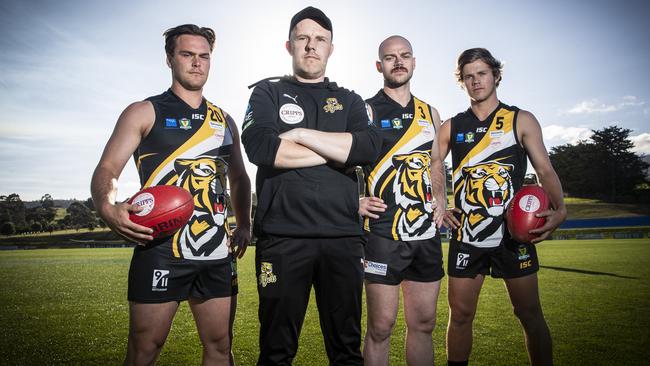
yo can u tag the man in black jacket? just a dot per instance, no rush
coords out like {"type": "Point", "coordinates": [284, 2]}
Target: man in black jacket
{"type": "Point", "coordinates": [305, 133]}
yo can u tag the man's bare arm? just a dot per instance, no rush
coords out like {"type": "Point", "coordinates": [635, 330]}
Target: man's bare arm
{"type": "Point", "coordinates": [134, 123]}
{"type": "Point", "coordinates": [240, 188]}
{"type": "Point", "coordinates": [530, 135]}
{"type": "Point", "coordinates": [437, 173]}
{"type": "Point", "coordinates": [291, 155]}
{"type": "Point", "coordinates": [330, 146]}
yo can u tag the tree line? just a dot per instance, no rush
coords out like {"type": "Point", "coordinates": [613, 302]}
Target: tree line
{"type": "Point", "coordinates": [601, 167]}
{"type": "Point", "coordinates": [15, 218]}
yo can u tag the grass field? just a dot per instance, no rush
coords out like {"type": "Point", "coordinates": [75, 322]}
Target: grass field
{"type": "Point", "coordinates": [68, 307]}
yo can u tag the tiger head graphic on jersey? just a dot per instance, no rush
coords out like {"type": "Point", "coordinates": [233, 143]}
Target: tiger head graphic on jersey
{"type": "Point", "coordinates": [412, 189]}
{"type": "Point", "coordinates": [205, 178]}
{"type": "Point", "coordinates": [486, 192]}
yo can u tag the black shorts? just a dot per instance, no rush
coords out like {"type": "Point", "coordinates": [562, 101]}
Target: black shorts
{"type": "Point", "coordinates": [390, 261]}
{"type": "Point", "coordinates": [156, 276]}
{"type": "Point", "coordinates": [508, 260]}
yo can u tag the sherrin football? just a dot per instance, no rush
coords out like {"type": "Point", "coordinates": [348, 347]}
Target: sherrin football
{"type": "Point", "coordinates": [165, 209]}
{"type": "Point", "coordinates": [520, 217]}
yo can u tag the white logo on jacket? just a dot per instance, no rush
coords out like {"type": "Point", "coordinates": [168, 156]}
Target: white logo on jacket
{"type": "Point", "coordinates": [291, 113]}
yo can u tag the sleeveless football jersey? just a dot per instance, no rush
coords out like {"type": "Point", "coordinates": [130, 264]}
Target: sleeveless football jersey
{"type": "Point", "coordinates": [402, 177]}
{"type": "Point", "coordinates": [190, 148]}
{"type": "Point", "coordinates": [489, 166]}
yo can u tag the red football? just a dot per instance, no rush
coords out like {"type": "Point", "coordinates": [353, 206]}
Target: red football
{"type": "Point", "coordinates": [527, 202]}
{"type": "Point", "coordinates": [165, 209]}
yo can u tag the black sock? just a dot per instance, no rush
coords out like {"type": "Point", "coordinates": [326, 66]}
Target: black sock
{"type": "Point", "coordinates": [457, 363]}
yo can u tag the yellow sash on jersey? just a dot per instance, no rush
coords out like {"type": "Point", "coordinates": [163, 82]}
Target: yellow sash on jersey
{"type": "Point", "coordinates": [501, 127]}
{"type": "Point", "coordinates": [421, 112]}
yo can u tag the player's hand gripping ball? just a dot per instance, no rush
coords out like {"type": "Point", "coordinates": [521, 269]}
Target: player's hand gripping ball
{"type": "Point", "coordinates": [520, 217]}
{"type": "Point", "coordinates": [165, 209]}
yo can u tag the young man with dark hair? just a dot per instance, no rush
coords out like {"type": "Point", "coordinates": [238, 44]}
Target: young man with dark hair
{"type": "Point", "coordinates": [179, 138]}
{"type": "Point", "coordinates": [490, 144]}
{"type": "Point", "coordinates": [304, 133]}
{"type": "Point", "coordinates": [404, 208]}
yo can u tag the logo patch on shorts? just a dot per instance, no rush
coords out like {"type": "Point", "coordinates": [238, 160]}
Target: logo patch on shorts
{"type": "Point", "coordinates": [462, 260]}
{"type": "Point", "coordinates": [266, 274]}
{"type": "Point", "coordinates": [233, 274]}
{"type": "Point", "coordinates": [160, 278]}
{"type": "Point", "coordinates": [523, 253]}
{"type": "Point", "coordinates": [379, 269]}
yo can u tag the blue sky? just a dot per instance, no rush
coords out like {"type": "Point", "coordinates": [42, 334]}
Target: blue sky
{"type": "Point", "coordinates": [69, 68]}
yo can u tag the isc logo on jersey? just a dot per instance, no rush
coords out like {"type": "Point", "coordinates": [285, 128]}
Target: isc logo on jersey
{"type": "Point", "coordinates": [291, 113]}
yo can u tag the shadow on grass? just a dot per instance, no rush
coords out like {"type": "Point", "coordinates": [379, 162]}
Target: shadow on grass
{"type": "Point", "coordinates": [588, 272]}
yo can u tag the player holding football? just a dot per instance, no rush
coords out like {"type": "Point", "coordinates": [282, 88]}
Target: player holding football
{"type": "Point", "coordinates": [403, 248]}
{"type": "Point", "coordinates": [179, 138]}
{"type": "Point", "coordinates": [490, 143]}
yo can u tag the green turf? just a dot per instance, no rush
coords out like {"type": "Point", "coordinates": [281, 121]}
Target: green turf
{"type": "Point", "coordinates": [68, 307]}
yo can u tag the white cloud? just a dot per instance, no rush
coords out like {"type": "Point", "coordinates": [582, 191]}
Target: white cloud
{"type": "Point", "coordinates": [641, 143]}
{"type": "Point", "coordinates": [559, 135]}
{"type": "Point", "coordinates": [593, 106]}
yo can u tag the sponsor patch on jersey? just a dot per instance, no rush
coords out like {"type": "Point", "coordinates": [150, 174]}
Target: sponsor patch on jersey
{"type": "Point", "coordinates": [186, 124]}
{"type": "Point", "coordinates": [469, 137]}
{"type": "Point", "coordinates": [423, 122]}
{"type": "Point", "coordinates": [332, 105]}
{"type": "Point", "coordinates": [217, 125]}
{"type": "Point", "coordinates": [146, 201]}
{"type": "Point", "coordinates": [219, 128]}
{"type": "Point", "coordinates": [460, 137]}
{"type": "Point", "coordinates": [376, 268]}
{"type": "Point", "coordinates": [496, 134]}
{"type": "Point", "coordinates": [462, 260]}
{"type": "Point", "coordinates": [248, 118]}
{"type": "Point", "coordinates": [385, 123]}
{"type": "Point", "coordinates": [291, 113]}
{"type": "Point", "coordinates": [171, 123]}
{"type": "Point", "coordinates": [397, 123]}
{"type": "Point", "coordinates": [159, 281]}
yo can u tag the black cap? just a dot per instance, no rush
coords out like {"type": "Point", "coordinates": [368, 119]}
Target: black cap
{"type": "Point", "coordinates": [314, 14]}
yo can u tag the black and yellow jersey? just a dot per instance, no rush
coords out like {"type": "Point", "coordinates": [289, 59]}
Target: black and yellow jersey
{"type": "Point", "coordinates": [489, 165]}
{"type": "Point", "coordinates": [190, 148]}
{"type": "Point", "coordinates": [402, 174]}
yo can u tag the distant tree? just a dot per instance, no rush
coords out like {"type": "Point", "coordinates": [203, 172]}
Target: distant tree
{"type": "Point", "coordinates": [13, 209]}
{"type": "Point", "coordinates": [50, 228]}
{"type": "Point", "coordinates": [603, 167]}
{"type": "Point", "coordinates": [65, 223]}
{"type": "Point", "coordinates": [47, 201]}
{"type": "Point", "coordinates": [80, 215]}
{"type": "Point", "coordinates": [7, 228]}
{"type": "Point", "coordinates": [90, 204]}
{"type": "Point", "coordinates": [36, 227]}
